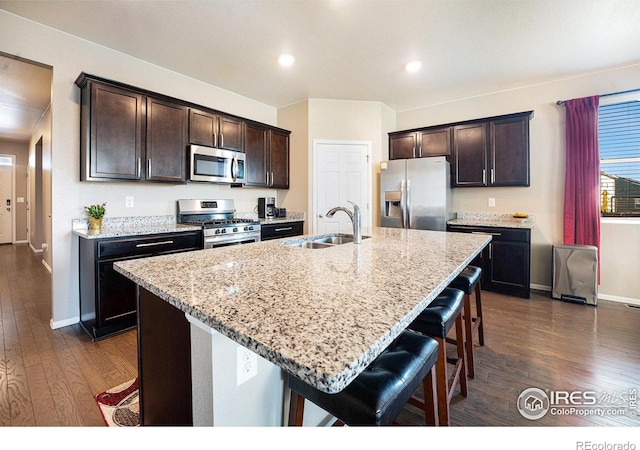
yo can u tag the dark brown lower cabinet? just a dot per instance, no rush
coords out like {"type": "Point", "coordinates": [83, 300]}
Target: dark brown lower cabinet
{"type": "Point", "coordinates": [506, 261]}
{"type": "Point", "coordinates": [108, 299]}
{"type": "Point", "coordinates": [280, 230]}
{"type": "Point", "coordinates": [164, 363]}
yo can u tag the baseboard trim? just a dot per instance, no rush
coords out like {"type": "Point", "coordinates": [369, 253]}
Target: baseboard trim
{"type": "Point", "coordinates": [44, 263]}
{"type": "Point", "coordinates": [601, 296]}
{"type": "Point", "coordinates": [63, 323]}
{"type": "Point", "coordinates": [35, 250]}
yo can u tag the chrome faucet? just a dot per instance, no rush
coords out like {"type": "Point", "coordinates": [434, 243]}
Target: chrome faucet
{"type": "Point", "coordinates": [356, 220]}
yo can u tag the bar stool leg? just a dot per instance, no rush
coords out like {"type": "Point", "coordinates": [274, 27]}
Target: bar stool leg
{"type": "Point", "coordinates": [462, 358]}
{"type": "Point", "coordinates": [442, 383]}
{"type": "Point", "coordinates": [468, 335]}
{"type": "Point", "coordinates": [296, 409]}
{"type": "Point", "coordinates": [478, 320]}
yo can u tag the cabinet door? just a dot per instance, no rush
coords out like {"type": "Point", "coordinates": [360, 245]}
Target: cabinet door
{"type": "Point", "coordinates": [166, 141]}
{"type": "Point", "coordinates": [230, 133]}
{"type": "Point", "coordinates": [116, 136]}
{"type": "Point", "coordinates": [256, 146]}
{"type": "Point", "coordinates": [509, 268]}
{"type": "Point", "coordinates": [470, 155]}
{"type": "Point", "coordinates": [117, 298]}
{"type": "Point", "coordinates": [203, 127]}
{"type": "Point", "coordinates": [509, 155]}
{"type": "Point", "coordinates": [436, 142]}
{"type": "Point", "coordinates": [279, 159]}
{"type": "Point", "coordinates": [402, 146]}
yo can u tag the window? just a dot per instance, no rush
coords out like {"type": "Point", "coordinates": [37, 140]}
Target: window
{"type": "Point", "coordinates": [6, 161]}
{"type": "Point", "coordinates": [619, 135]}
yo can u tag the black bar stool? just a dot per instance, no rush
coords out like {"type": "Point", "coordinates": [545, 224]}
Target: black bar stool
{"type": "Point", "coordinates": [380, 392]}
{"type": "Point", "coordinates": [469, 281]}
{"type": "Point", "coordinates": [436, 320]}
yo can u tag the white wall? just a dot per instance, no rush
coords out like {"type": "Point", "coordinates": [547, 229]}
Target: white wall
{"type": "Point", "coordinates": [354, 121]}
{"type": "Point", "coordinates": [620, 257]}
{"type": "Point", "coordinates": [69, 56]}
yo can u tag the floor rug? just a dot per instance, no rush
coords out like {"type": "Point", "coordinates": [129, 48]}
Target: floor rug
{"type": "Point", "coordinates": [119, 405]}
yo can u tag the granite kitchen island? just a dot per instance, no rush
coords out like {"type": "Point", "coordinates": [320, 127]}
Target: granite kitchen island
{"type": "Point", "coordinates": [320, 314]}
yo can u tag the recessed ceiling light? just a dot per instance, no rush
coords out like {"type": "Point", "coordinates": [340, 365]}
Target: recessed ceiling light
{"type": "Point", "coordinates": [286, 60]}
{"type": "Point", "coordinates": [413, 66]}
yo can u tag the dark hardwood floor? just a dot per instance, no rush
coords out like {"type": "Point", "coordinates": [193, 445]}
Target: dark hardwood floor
{"type": "Point", "coordinates": [48, 377]}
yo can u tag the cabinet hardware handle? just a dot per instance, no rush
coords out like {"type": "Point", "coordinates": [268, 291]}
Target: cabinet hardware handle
{"type": "Point", "coordinates": [271, 179]}
{"type": "Point", "coordinates": [420, 151]}
{"type": "Point", "coordinates": [493, 176]}
{"type": "Point", "coordinates": [486, 232]}
{"type": "Point", "coordinates": [138, 168]}
{"type": "Point", "coordinates": [148, 167]}
{"type": "Point", "coordinates": [151, 244]}
{"type": "Point", "coordinates": [215, 139]}
{"type": "Point", "coordinates": [484, 176]}
{"type": "Point", "coordinates": [284, 229]}
{"type": "Point", "coordinates": [221, 140]}
{"type": "Point", "coordinates": [414, 151]}
{"type": "Point", "coordinates": [490, 252]}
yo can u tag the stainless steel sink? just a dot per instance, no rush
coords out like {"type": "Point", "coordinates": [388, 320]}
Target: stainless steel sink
{"type": "Point", "coordinates": [323, 241]}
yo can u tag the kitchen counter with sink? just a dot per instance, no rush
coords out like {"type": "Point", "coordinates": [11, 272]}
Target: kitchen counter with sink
{"type": "Point", "coordinates": [322, 314]}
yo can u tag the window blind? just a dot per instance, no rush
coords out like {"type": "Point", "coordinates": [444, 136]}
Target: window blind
{"type": "Point", "coordinates": [619, 140]}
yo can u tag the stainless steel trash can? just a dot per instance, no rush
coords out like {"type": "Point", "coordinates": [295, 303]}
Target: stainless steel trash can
{"type": "Point", "coordinates": [575, 273]}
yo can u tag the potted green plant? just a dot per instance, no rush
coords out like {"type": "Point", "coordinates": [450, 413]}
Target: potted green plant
{"type": "Point", "coordinates": [96, 214]}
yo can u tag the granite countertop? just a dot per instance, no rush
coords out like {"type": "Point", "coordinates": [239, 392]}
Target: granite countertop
{"type": "Point", "coordinates": [320, 314]}
{"type": "Point", "coordinates": [492, 220]}
{"type": "Point", "coordinates": [130, 226]}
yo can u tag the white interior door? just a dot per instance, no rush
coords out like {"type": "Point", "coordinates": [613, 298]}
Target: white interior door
{"type": "Point", "coordinates": [341, 174]}
{"type": "Point", "coordinates": [6, 202]}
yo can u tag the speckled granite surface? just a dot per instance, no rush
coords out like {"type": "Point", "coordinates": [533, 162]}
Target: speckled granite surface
{"type": "Point", "coordinates": [129, 226]}
{"type": "Point", "coordinates": [492, 220]}
{"type": "Point", "coordinates": [320, 314]}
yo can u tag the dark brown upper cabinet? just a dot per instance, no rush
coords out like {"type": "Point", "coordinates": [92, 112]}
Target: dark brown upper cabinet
{"type": "Point", "coordinates": [492, 151]}
{"type": "Point", "coordinates": [166, 147]}
{"type": "Point", "coordinates": [433, 141]}
{"type": "Point", "coordinates": [127, 135]}
{"type": "Point", "coordinates": [267, 156]}
{"type": "Point", "coordinates": [215, 130]}
{"type": "Point", "coordinates": [470, 155]}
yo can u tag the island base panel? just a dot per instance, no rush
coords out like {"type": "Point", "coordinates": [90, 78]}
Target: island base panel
{"type": "Point", "coordinates": [164, 362]}
{"type": "Point", "coordinates": [218, 399]}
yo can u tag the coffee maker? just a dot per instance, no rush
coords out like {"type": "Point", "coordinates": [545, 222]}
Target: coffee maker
{"type": "Point", "coordinates": [266, 207]}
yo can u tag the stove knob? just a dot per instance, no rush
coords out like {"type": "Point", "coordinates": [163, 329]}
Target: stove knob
{"type": "Point", "coordinates": [217, 231]}
{"type": "Point", "coordinates": [224, 230]}
{"type": "Point", "coordinates": [235, 229]}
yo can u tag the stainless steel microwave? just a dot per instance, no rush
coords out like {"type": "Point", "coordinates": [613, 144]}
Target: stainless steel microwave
{"type": "Point", "coordinates": [216, 165]}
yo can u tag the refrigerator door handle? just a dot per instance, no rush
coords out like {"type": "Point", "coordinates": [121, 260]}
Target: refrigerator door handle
{"type": "Point", "coordinates": [408, 204]}
{"type": "Point", "coordinates": [403, 205]}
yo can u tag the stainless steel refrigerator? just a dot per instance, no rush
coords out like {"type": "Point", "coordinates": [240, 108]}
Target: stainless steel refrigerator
{"type": "Point", "coordinates": [415, 193]}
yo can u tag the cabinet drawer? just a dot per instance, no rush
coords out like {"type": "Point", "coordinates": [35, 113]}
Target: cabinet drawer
{"type": "Point", "coordinates": [502, 234]}
{"type": "Point", "coordinates": [148, 245]}
{"type": "Point", "coordinates": [280, 230]}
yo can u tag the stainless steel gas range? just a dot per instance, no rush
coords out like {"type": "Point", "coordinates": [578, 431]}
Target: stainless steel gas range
{"type": "Point", "coordinates": [219, 226]}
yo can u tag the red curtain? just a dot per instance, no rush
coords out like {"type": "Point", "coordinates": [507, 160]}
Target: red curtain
{"type": "Point", "coordinates": [582, 176]}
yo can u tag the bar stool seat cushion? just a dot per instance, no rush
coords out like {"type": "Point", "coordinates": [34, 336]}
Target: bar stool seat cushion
{"type": "Point", "coordinates": [381, 391]}
{"type": "Point", "coordinates": [438, 318]}
{"type": "Point", "coordinates": [467, 279]}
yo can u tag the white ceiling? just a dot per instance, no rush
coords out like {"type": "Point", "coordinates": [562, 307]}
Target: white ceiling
{"type": "Point", "coordinates": [357, 49]}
